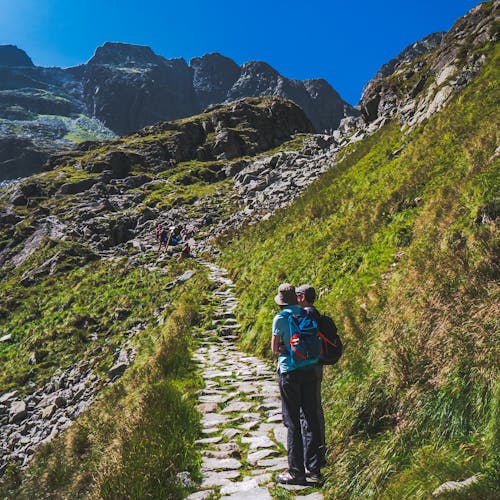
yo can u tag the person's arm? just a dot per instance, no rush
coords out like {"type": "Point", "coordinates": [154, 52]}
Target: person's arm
{"type": "Point", "coordinates": [276, 346]}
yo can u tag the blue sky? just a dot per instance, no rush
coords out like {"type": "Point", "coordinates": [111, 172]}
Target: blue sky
{"type": "Point", "coordinates": [344, 42]}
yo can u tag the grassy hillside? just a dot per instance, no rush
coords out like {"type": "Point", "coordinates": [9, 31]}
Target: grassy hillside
{"type": "Point", "coordinates": [139, 434]}
{"type": "Point", "coordinates": [400, 239]}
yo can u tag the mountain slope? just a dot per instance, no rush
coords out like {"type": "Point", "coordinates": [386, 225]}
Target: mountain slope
{"type": "Point", "coordinates": [400, 238]}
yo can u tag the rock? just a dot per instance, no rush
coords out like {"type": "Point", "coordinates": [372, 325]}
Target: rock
{"type": "Point", "coordinates": [256, 493]}
{"type": "Point", "coordinates": [10, 55]}
{"type": "Point", "coordinates": [17, 412]}
{"type": "Point", "coordinates": [184, 479]}
{"type": "Point", "coordinates": [77, 187]}
{"type": "Point", "coordinates": [60, 401]}
{"type": "Point", "coordinates": [6, 338]}
{"type": "Point", "coordinates": [216, 464]}
{"type": "Point", "coordinates": [48, 412]}
{"type": "Point", "coordinates": [117, 370]}
{"type": "Point", "coordinates": [8, 396]}
{"type": "Point", "coordinates": [456, 486]}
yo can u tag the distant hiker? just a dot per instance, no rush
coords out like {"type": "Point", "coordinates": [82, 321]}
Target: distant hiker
{"type": "Point", "coordinates": [188, 232]}
{"type": "Point", "coordinates": [306, 295]}
{"type": "Point", "coordinates": [185, 252]}
{"type": "Point", "coordinates": [298, 385]}
{"type": "Point", "coordinates": [161, 236]}
{"type": "Point", "coordinates": [173, 237]}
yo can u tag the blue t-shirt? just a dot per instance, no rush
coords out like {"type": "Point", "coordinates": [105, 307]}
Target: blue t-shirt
{"type": "Point", "coordinates": [281, 328]}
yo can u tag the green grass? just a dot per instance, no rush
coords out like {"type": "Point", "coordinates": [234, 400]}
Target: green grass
{"type": "Point", "coordinates": [140, 432]}
{"type": "Point", "coordinates": [398, 252]}
{"type": "Point", "coordinates": [65, 315]}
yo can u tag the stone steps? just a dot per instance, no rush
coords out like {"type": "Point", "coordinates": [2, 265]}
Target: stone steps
{"type": "Point", "coordinates": [243, 439]}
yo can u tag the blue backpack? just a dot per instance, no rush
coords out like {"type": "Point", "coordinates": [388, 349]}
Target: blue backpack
{"type": "Point", "coordinates": [305, 343]}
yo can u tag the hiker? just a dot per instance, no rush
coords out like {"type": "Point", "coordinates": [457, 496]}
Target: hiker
{"type": "Point", "coordinates": [306, 295]}
{"type": "Point", "coordinates": [161, 236]}
{"type": "Point", "coordinates": [185, 252]}
{"type": "Point", "coordinates": [173, 238]}
{"type": "Point", "coordinates": [297, 382]}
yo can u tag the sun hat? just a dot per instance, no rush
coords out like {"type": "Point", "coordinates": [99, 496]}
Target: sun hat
{"type": "Point", "coordinates": [286, 295]}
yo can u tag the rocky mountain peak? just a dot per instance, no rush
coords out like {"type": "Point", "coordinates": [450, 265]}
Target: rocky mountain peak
{"type": "Point", "coordinates": [213, 76]}
{"type": "Point", "coordinates": [411, 52]}
{"type": "Point", "coordinates": [10, 55]}
{"type": "Point", "coordinates": [413, 88]}
{"type": "Point", "coordinates": [116, 53]}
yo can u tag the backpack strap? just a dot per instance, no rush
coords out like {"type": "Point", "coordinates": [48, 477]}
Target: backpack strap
{"type": "Point", "coordinates": [326, 339]}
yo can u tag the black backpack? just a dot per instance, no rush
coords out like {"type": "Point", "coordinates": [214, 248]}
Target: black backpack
{"type": "Point", "coordinates": [331, 349]}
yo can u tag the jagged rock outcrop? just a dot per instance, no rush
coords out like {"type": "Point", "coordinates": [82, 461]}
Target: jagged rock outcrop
{"type": "Point", "coordinates": [413, 88]}
{"type": "Point", "coordinates": [417, 49]}
{"type": "Point", "coordinates": [20, 156]}
{"type": "Point", "coordinates": [128, 87]}
{"type": "Point", "coordinates": [10, 55]}
{"type": "Point", "coordinates": [213, 77]}
{"type": "Point", "coordinates": [317, 98]}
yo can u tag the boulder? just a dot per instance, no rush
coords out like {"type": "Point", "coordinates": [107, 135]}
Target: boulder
{"type": "Point", "coordinates": [77, 187]}
{"type": "Point", "coordinates": [18, 412]}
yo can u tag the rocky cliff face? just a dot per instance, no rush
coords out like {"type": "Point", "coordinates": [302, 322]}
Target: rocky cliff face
{"type": "Point", "coordinates": [12, 56]}
{"type": "Point", "coordinates": [413, 88]}
{"type": "Point", "coordinates": [126, 87]}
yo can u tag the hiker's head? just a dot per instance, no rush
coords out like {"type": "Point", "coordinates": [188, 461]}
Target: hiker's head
{"type": "Point", "coordinates": [306, 294]}
{"type": "Point", "coordinates": [286, 295]}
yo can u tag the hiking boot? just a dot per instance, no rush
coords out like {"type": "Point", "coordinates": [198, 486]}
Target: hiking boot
{"type": "Point", "coordinates": [315, 477]}
{"type": "Point", "coordinates": [287, 478]}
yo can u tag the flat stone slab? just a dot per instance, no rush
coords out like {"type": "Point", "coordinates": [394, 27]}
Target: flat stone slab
{"type": "Point", "coordinates": [254, 457]}
{"type": "Point", "coordinates": [248, 388]}
{"type": "Point", "coordinates": [258, 442]}
{"type": "Point", "coordinates": [199, 495]}
{"type": "Point", "coordinates": [212, 440]}
{"type": "Point", "coordinates": [214, 398]}
{"type": "Point", "coordinates": [237, 406]}
{"type": "Point", "coordinates": [217, 464]}
{"type": "Point", "coordinates": [250, 425]}
{"type": "Point", "coordinates": [275, 418]}
{"type": "Point", "coordinates": [206, 407]}
{"type": "Point", "coordinates": [231, 432]}
{"type": "Point", "coordinates": [281, 462]}
{"type": "Point", "coordinates": [254, 494]}
{"type": "Point", "coordinates": [216, 479]}
{"type": "Point", "coordinates": [213, 419]}
{"type": "Point", "coordinates": [280, 434]}
{"type": "Point", "coordinates": [247, 484]}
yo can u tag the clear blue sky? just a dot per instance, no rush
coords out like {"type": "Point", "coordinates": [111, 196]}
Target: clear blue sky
{"type": "Point", "coordinates": [344, 42]}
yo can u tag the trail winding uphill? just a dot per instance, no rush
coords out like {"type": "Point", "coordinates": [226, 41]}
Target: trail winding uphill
{"type": "Point", "coordinates": [243, 438]}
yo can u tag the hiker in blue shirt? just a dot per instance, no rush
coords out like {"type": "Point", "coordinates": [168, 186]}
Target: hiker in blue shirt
{"type": "Point", "coordinates": [297, 382]}
{"type": "Point", "coordinates": [306, 295]}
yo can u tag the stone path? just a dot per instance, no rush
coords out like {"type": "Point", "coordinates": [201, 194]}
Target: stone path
{"type": "Point", "coordinates": [243, 438]}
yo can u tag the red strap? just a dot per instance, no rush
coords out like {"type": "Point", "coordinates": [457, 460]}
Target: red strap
{"type": "Point", "coordinates": [328, 341]}
{"type": "Point", "coordinates": [299, 354]}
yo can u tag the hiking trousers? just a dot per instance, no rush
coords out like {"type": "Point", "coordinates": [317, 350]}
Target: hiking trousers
{"type": "Point", "coordinates": [298, 392]}
{"type": "Point", "coordinates": [306, 434]}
